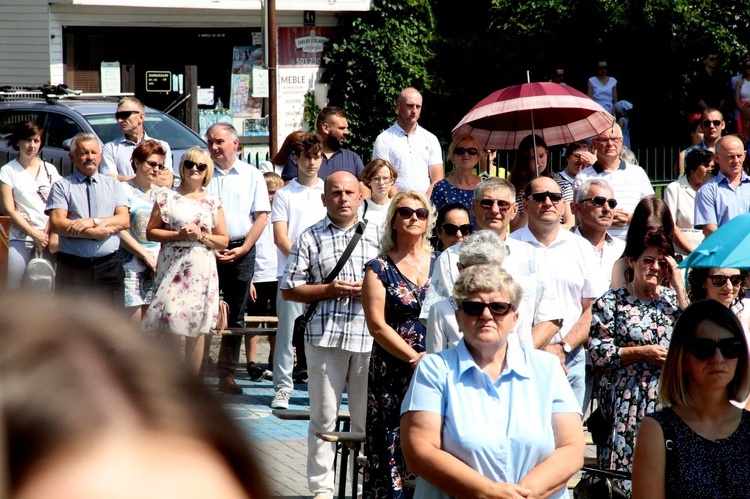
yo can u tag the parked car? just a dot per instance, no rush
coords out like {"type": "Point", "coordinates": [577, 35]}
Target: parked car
{"type": "Point", "coordinates": [64, 118]}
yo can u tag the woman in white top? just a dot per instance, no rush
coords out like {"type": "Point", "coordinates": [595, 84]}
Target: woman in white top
{"type": "Point", "coordinates": [24, 186]}
{"type": "Point", "coordinates": [603, 88]}
{"type": "Point", "coordinates": [378, 176]}
{"type": "Point", "coordinates": [742, 93]}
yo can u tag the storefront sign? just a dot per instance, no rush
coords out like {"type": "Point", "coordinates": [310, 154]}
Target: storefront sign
{"type": "Point", "coordinates": [308, 18]}
{"type": "Point", "coordinates": [303, 46]}
{"type": "Point", "coordinates": [110, 77]}
{"type": "Point", "coordinates": [158, 81]}
{"type": "Point", "coordinates": [294, 84]}
{"type": "Point", "coordinates": [260, 82]}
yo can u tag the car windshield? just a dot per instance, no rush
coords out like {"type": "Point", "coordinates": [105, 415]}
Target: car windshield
{"type": "Point", "coordinates": [158, 126]}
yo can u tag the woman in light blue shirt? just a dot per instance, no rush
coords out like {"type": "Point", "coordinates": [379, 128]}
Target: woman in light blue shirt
{"type": "Point", "coordinates": [490, 418]}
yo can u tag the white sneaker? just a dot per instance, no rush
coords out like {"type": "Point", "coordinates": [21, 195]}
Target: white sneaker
{"type": "Point", "coordinates": [281, 400]}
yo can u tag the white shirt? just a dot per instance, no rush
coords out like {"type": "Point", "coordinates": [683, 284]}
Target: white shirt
{"type": "Point", "coordinates": [411, 156]}
{"type": "Point", "coordinates": [300, 207]}
{"type": "Point", "coordinates": [116, 156]}
{"type": "Point", "coordinates": [242, 191]}
{"type": "Point", "coordinates": [265, 257]}
{"type": "Point", "coordinates": [375, 213]}
{"type": "Point", "coordinates": [572, 279]}
{"type": "Point", "coordinates": [605, 259]}
{"type": "Point", "coordinates": [26, 198]}
{"type": "Point", "coordinates": [680, 197]}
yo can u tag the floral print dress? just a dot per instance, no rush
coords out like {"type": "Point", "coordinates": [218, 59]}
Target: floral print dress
{"type": "Point", "coordinates": [626, 393]}
{"type": "Point", "coordinates": [388, 381]}
{"type": "Point", "coordinates": [186, 301]}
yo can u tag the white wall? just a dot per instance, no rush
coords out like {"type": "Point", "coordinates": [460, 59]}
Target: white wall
{"type": "Point", "coordinates": [24, 42]}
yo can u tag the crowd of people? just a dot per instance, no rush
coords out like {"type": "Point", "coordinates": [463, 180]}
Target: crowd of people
{"type": "Point", "coordinates": [468, 318]}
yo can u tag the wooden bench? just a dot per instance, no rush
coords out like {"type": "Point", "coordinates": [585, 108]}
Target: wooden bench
{"type": "Point", "coordinates": [268, 330]}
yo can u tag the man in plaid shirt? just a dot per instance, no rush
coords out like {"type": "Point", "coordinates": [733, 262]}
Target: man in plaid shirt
{"type": "Point", "coordinates": [337, 342]}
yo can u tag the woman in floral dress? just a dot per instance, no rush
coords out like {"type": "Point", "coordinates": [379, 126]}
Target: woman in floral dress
{"type": "Point", "coordinates": [630, 332]}
{"type": "Point", "coordinates": [189, 223]}
{"type": "Point", "coordinates": [394, 286]}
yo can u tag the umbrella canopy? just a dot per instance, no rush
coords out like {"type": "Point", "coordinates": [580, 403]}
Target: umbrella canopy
{"type": "Point", "coordinates": [728, 247]}
{"type": "Point", "coordinates": [558, 113]}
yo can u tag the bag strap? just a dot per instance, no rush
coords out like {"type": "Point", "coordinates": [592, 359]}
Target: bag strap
{"type": "Point", "coordinates": [339, 265]}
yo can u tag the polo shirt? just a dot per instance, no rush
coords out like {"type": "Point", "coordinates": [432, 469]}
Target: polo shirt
{"type": "Point", "coordinates": [70, 194]}
{"type": "Point", "coordinates": [116, 156]}
{"type": "Point", "coordinates": [502, 429]}
{"type": "Point", "coordinates": [242, 191]}
{"type": "Point", "coordinates": [629, 184]}
{"type": "Point", "coordinates": [343, 159]}
{"type": "Point", "coordinates": [604, 260]}
{"type": "Point", "coordinates": [411, 156]}
{"type": "Point", "coordinates": [717, 202]}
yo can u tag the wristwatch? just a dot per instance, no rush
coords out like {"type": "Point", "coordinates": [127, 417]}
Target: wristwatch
{"type": "Point", "coordinates": [96, 222]}
{"type": "Point", "coordinates": [566, 348]}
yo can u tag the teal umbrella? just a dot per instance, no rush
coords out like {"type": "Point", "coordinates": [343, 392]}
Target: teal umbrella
{"type": "Point", "coordinates": [728, 247]}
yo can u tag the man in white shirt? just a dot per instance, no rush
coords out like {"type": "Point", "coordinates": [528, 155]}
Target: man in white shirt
{"type": "Point", "coordinates": [414, 152]}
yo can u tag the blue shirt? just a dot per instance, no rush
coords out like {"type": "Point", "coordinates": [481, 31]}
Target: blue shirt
{"type": "Point", "coordinates": [69, 194]}
{"type": "Point", "coordinates": [343, 159]}
{"type": "Point", "coordinates": [717, 202]}
{"type": "Point", "coordinates": [502, 429]}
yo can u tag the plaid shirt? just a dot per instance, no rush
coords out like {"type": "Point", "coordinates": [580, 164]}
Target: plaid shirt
{"type": "Point", "coordinates": [337, 322]}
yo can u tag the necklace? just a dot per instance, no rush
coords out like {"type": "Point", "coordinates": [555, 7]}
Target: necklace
{"type": "Point", "coordinates": [418, 268]}
{"type": "Point", "coordinates": [648, 296]}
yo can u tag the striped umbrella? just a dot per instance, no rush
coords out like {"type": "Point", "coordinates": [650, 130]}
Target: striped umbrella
{"type": "Point", "coordinates": [558, 113]}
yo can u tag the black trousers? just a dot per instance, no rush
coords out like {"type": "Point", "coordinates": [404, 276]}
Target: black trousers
{"type": "Point", "coordinates": [101, 277]}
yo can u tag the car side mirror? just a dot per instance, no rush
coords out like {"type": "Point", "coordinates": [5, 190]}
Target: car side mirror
{"type": "Point", "coordinates": [66, 144]}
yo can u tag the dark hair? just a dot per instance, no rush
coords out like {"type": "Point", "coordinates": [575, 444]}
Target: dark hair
{"type": "Point", "coordinates": [651, 240]}
{"type": "Point", "coordinates": [520, 174]}
{"type": "Point", "coordinates": [645, 209]}
{"type": "Point", "coordinates": [287, 148]}
{"type": "Point", "coordinates": [85, 371]}
{"type": "Point", "coordinates": [575, 146]}
{"type": "Point", "coordinates": [697, 291]}
{"type": "Point", "coordinates": [24, 131]}
{"type": "Point", "coordinates": [309, 144]}
{"type": "Point", "coordinates": [447, 208]}
{"type": "Point", "coordinates": [695, 158]}
{"type": "Point", "coordinates": [326, 113]}
{"type": "Point", "coordinates": [145, 149]}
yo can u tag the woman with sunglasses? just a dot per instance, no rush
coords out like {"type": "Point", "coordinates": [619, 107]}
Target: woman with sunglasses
{"type": "Point", "coordinates": [24, 186]}
{"type": "Point", "coordinates": [137, 253]}
{"type": "Point", "coordinates": [602, 88]}
{"type": "Point", "coordinates": [189, 223]}
{"type": "Point", "coordinates": [630, 332]}
{"type": "Point", "coordinates": [394, 287]}
{"type": "Point", "coordinates": [724, 285]}
{"type": "Point", "coordinates": [452, 226]}
{"type": "Point", "coordinates": [698, 445]}
{"type": "Point", "coordinates": [458, 186]}
{"type": "Point", "coordinates": [490, 418]}
{"type": "Point", "coordinates": [679, 196]}
{"type": "Point", "coordinates": [524, 170]}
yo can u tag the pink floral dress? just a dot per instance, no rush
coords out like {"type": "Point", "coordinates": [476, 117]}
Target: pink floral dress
{"type": "Point", "coordinates": [186, 301]}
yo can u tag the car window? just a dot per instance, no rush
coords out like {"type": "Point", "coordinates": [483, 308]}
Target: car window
{"type": "Point", "coordinates": [105, 126]}
{"type": "Point", "coordinates": [157, 125]}
{"type": "Point", "coordinates": [11, 118]}
{"type": "Point", "coordinates": [60, 128]}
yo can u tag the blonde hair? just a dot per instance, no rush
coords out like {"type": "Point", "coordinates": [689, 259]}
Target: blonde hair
{"type": "Point", "coordinates": [481, 159]}
{"type": "Point", "coordinates": [273, 179]}
{"type": "Point", "coordinates": [388, 241]}
{"type": "Point", "coordinates": [197, 155]}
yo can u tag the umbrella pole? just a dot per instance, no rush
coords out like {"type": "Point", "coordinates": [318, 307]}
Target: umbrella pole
{"type": "Point", "coordinates": [533, 131]}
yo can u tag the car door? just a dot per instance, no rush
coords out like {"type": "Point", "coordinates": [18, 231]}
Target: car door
{"type": "Point", "coordinates": [58, 128]}
{"type": "Point", "coordinates": [9, 120]}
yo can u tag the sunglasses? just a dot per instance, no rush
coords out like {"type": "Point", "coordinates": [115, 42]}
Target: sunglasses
{"type": "Point", "coordinates": [649, 262]}
{"type": "Point", "coordinates": [708, 123]}
{"type": "Point", "coordinates": [704, 349]}
{"type": "Point", "coordinates": [405, 212]}
{"type": "Point", "coordinates": [720, 281]}
{"type": "Point", "coordinates": [600, 200]}
{"type": "Point", "coordinates": [158, 166]}
{"type": "Point", "coordinates": [539, 197]}
{"type": "Point", "coordinates": [190, 164]}
{"type": "Point", "coordinates": [487, 204]}
{"type": "Point", "coordinates": [476, 308]}
{"type": "Point", "coordinates": [123, 115]}
{"type": "Point", "coordinates": [452, 229]}
{"type": "Point", "coordinates": [460, 151]}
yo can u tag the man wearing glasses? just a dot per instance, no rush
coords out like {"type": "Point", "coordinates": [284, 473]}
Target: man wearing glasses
{"type": "Point", "coordinates": [712, 124]}
{"type": "Point", "coordinates": [629, 183]}
{"type": "Point", "coordinates": [116, 155]}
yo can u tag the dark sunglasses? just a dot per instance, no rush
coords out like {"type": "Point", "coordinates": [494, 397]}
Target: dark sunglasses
{"type": "Point", "coordinates": [539, 197]}
{"type": "Point", "coordinates": [600, 200]}
{"type": "Point", "coordinates": [452, 229]}
{"type": "Point", "coordinates": [708, 123]}
{"type": "Point", "coordinates": [704, 349]}
{"type": "Point", "coordinates": [719, 280]}
{"type": "Point", "coordinates": [158, 166]}
{"type": "Point", "coordinates": [405, 212]}
{"type": "Point", "coordinates": [123, 115]}
{"type": "Point", "coordinates": [190, 164]}
{"type": "Point", "coordinates": [649, 262]}
{"type": "Point", "coordinates": [463, 150]}
{"type": "Point", "coordinates": [487, 204]}
{"type": "Point", "coordinates": [476, 308]}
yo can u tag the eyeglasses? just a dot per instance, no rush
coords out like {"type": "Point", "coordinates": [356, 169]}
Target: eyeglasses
{"type": "Point", "coordinates": [460, 151]}
{"type": "Point", "coordinates": [159, 166]}
{"type": "Point", "coordinates": [602, 140]}
{"type": "Point", "coordinates": [123, 115]}
{"type": "Point", "coordinates": [704, 349]}
{"type": "Point", "coordinates": [502, 205]}
{"type": "Point", "coordinates": [720, 281]}
{"type": "Point", "coordinates": [600, 200]}
{"type": "Point", "coordinates": [539, 197]}
{"type": "Point", "coordinates": [578, 157]}
{"type": "Point", "coordinates": [382, 180]}
{"type": "Point", "coordinates": [405, 212]}
{"type": "Point", "coordinates": [190, 164]}
{"type": "Point", "coordinates": [476, 308]}
{"type": "Point", "coordinates": [452, 229]}
{"type": "Point", "coordinates": [708, 123]}
{"type": "Point", "coordinates": [649, 262]}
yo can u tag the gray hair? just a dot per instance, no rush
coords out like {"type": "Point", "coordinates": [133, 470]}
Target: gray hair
{"type": "Point", "coordinates": [225, 126]}
{"type": "Point", "coordinates": [486, 279]}
{"type": "Point", "coordinates": [493, 183]}
{"type": "Point", "coordinates": [483, 247]}
{"type": "Point", "coordinates": [627, 155]}
{"type": "Point", "coordinates": [82, 137]}
{"type": "Point", "coordinates": [582, 191]}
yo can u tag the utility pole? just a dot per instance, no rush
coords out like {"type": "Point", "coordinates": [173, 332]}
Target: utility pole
{"type": "Point", "coordinates": [271, 60]}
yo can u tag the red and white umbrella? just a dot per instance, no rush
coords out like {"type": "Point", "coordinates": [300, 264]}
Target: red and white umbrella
{"type": "Point", "coordinates": [558, 113]}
